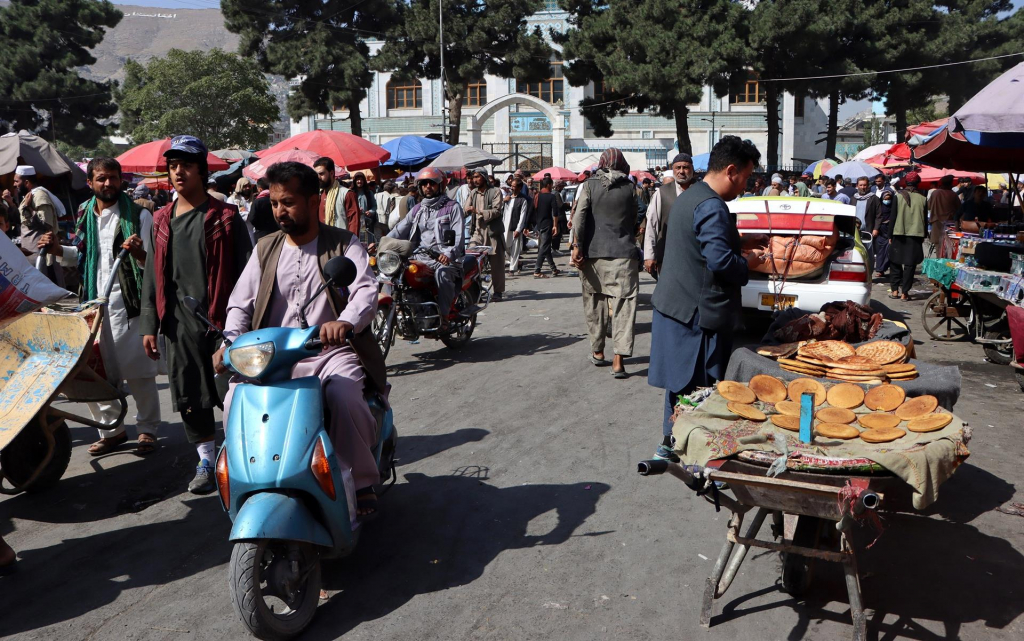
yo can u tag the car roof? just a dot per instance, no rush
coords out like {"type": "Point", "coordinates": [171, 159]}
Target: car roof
{"type": "Point", "coordinates": [790, 205]}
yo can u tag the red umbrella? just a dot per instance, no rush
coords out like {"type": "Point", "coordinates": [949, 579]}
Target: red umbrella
{"type": "Point", "coordinates": [346, 150]}
{"type": "Point", "coordinates": [149, 158]}
{"type": "Point", "coordinates": [640, 175]}
{"type": "Point", "coordinates": [258, 169]}
{"type": "Point", "coordinates": [925, 128]}
{"type": "Point", "coordinates": [930, 176]}
{"type": "Point", "coordinates": [158, 182]}
{"type": "Point", "coordinates": [557, 173]}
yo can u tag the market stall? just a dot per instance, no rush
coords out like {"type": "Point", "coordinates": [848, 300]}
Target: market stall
{"type": "Point", "coordinates": [820, 434]}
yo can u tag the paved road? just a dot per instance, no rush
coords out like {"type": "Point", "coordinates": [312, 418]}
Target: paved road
{"type": "Point", "coordinates": [518, 515]}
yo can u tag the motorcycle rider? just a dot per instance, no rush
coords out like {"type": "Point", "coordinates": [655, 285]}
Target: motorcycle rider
{"type": "Point", "coordinates": [425, 227]}
{"type": "Point", "coordinates": [281, 275]}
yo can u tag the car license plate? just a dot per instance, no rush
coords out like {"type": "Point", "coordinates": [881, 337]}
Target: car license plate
{"type": "Point", "coordinates": [784, 302]}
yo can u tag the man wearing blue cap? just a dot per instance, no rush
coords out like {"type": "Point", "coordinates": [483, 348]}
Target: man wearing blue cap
{"type": "Point", "coordinates": [200, 247]}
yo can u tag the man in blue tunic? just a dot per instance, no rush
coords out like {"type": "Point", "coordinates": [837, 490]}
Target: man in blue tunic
{"type": "Point", "coordinates": [697, 299]}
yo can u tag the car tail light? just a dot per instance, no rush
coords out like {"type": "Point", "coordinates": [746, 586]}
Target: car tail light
{"type": "Point", "coordinates": [221, 472]}
{"type": "Point", "coordinates": [321, 468]}
{"type": "Point", "coordinates": [848, 272]}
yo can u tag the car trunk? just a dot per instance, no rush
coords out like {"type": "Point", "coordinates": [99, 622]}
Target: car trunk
{"type": "Point", "coordinates": [803, 246]}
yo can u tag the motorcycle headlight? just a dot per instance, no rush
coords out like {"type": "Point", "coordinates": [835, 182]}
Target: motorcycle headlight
{"type": "Point", "coordinates": [252, 360]}
{"type": "Point", "coordinates": [388, 263]}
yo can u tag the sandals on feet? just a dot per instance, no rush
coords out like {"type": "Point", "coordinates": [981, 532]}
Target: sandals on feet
{"type": "Point", "coordinates": [147, 444]}
{"type": "Point", "coordinates": [620, 374]}
{"type": "Point", "coordinates": [600, 362]}
{"type": "Point", "coordinates": [107, 445]}
{"type": "Point", "coordinates": [894, 295]}
{"type": "Point", "coordinates": [366, 503]}
{"type": "Point", "coordinates": [539, 275]}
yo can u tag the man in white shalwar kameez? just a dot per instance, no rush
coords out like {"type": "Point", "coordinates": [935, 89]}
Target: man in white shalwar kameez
{"type": "Point", "coordinates": [108, 223]}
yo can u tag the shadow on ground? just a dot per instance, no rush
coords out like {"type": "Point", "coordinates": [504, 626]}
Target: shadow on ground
{"type": "Point", "coordinates": [487, 349]}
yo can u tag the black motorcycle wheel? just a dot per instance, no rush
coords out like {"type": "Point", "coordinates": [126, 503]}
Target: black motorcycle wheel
{"type": "Point", "coordinates": [270, 607]}
{"type": "Point", "coordinates": [459, 332]}
{"type": "Point", "coordinates": [384, 329]}
{"type": "Point", "coordinates": [23, 455]}
{"type": "Point", "coordinates": [999, 354]}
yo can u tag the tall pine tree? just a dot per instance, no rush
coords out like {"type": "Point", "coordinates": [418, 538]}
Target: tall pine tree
{"type": "Point", "coordinates": [43, 43]}
{"type": "Point", "coordinates": [321, 42]}
{"type": "Point", "coordinates": [656, 55]}
{"type": "Point", "coordinates": [479, 38]}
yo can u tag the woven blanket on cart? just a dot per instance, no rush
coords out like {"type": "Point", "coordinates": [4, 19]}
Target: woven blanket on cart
{"type": "Point", "coordinates": [941, 381]}
{"type": "Point", "coordinates": [924, 461]}
{"type": "Point", "coordinates": [938, 269]}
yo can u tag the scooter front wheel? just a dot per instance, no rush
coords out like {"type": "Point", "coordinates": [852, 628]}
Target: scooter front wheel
{"type": "Point", "coordinates": [275, 587]}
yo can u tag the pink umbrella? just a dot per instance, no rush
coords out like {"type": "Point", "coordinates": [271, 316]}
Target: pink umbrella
{"type": "Point", "coordinates": [344, 149]}
{"type": "Point", "coordinates": [258, 169]}
{"type": "Point", "coordinates": [930, 176]}
{"type": "Point", "coordinates": [557, 173]}
{"type": "Point", "coordinates": [150, 158]}
{"type": "Point", "coordinates": [640, 175]}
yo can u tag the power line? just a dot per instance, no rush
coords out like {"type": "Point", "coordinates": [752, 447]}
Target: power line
{"type": "Point", "coordinates": [878, 73]}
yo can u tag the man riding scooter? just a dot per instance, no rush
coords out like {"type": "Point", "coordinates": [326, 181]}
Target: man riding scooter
{"type": "Point", "coordinates": [283, 273]}
{"type": "Point", "coordinates": [425, 227]}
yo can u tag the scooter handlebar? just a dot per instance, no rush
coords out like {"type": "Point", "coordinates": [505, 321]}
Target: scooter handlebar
{"type": "Point", "coordinates": [315, 344]}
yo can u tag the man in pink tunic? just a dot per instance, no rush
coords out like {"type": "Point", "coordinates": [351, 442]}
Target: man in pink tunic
{"type": "Point", "coordinates": [282, 274]}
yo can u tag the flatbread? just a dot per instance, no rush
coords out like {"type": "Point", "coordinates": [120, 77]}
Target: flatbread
{"type": "Point", "coordinates": [895, 368]}
{"type": "Point", "coordinates": [885, 398]}
{"type": "Point", "coordinates": [788, 408]}
{"type": "Point", "coordinates": [930, 422]}
{"type": "Point", "coordinates": [836, 430]}
{"type": "Point", "coordinates": [917, 406]}
{"type": "Point", "coordinates": [879, 420]}
{"type": "Point", "coordinates": [801, 385]}
{"type": "Point", "coordinates": [768, 388]}
{"type": "Point", "coordinates": [835, 415]}
{"type": "Point", "coordinates": [906, 376]}
{"type": "Point", "coordinates": [845, 395]}
{"type": "Point", "coordinates": [817, 373]}
{"type": "Point", "coordinates": [779, 351]}
{"type": "Point", "coordinates": [855, 363]}
{"type": "Point", "coordinates": [736, 392]}
{"type": "Point", "coordinates": [815, 362]}
{"type": "Point", "coordinates": [883, 352]}
{"type": "Point", "coordinates": [748, 412]}
{"type": "Point", "coordinates": [791, 423]}
{"type": "Point", "coordinates": [827, 350]}
{"type": "Point", "coordinates": [882, 435]}
{"type": "Point", "coordinates": [863, 380]}
{"type": "Point", "coordinates": [875, 373]}
{"type": "Point", "coordinates": [784, 362]}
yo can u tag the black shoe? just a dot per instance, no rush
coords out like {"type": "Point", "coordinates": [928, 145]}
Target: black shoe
{"type": "Point", "coordinates": [497, 298]}
{"type": "Point", "coordinates": [204, 482]}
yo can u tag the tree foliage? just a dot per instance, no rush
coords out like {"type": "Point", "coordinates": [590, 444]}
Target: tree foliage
{"type": "Point", "coordinates": [479, 38]}
{"type": "Point", "coordinates": [223, 99]}
{"type": "Point", "coordinates": [321, 43]}
{"type": "Point", "coordinates": [43, 43]}
{"type": "Point", "coordinates": [655, 56]}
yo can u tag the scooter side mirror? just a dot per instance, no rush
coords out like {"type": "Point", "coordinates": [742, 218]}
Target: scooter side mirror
{"type": "Point", "coordinates": [340, 271]}
{"type": "Point", "coordinates": [449, 238]}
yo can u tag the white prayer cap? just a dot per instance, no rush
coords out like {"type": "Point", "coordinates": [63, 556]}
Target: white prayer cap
{"type": "Point", "coordinates": [776, 179]}
{"type": "Point", "coordinates": [25, 170]}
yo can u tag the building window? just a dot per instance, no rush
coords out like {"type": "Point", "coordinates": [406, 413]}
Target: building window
{"type": "Point", "coordinates": [405, 94]}
{"type": "Point", "coordinates": [476, 94]}
{"type": "Point", "coordinates": [337, 108]}
{"type": "Point", "coordinates": [749, 93]}
{"type": "Point", "coordinates": [798, 106]}
{"type": "Point", "coordinates": [550, 90]}
{"type": "Point", "coordinates": [601, 92]}
{"type": "Point", "coordinates": [551, 5]}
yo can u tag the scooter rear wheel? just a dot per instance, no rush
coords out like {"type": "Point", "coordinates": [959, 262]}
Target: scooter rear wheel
{"type": "Point", "coordinates": [275, 587]}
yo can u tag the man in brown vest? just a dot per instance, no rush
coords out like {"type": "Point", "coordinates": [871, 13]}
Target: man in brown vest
{"type": "Point", "coordinates": [282, 274]}
{"type": "Point", "coordinates": [657, 212]}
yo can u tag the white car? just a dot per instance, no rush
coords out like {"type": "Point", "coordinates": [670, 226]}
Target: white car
{"type": "Point", "coordinates": [845, 274]}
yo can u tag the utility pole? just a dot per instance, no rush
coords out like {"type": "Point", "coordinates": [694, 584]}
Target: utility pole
{"type": "Point", "coordinates": [444, 94]}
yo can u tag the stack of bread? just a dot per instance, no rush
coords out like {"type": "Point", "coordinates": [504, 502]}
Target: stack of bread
{"type": "Point", "coordinates": [871, 363]}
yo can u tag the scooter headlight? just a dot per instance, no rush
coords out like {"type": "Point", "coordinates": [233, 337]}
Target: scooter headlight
{"type": "Point", "coordinates": [388, 263]}
{"type": "Point", "coordinates": [250, 361]}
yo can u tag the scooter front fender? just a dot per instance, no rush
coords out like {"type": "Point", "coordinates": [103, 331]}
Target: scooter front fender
{"type": "Point", "coordinates": [272, 515]}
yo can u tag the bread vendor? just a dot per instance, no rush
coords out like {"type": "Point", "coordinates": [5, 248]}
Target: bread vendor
{"type": "Point", "coordinates": [694, 316]}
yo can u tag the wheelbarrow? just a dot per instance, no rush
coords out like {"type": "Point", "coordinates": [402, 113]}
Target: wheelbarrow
{"type": "Point", "coordinates": [807, 511]}
{"type": "Point", "coordinates": [47, 357]}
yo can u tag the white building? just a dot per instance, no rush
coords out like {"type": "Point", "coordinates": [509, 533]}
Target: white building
{"type": "Point", "coordinates": [539, 120]}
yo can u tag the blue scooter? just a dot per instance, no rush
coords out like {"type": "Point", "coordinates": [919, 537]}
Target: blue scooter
{"type": "Point", "coordinates": [278, 478]}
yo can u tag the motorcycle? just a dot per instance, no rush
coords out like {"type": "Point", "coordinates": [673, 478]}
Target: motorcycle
{"type": "Point", "coordinates": [277, 476]}
{"type": "Point", "coordinates": [407, 303]}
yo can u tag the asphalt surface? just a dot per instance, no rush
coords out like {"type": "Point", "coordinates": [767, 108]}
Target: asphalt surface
{"type": "Point", "coordinates": [519, 515]}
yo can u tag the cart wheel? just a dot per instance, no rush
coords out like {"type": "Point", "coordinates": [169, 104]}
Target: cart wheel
{"type": "Point", "coordinates": [940, 325]}
{"type": "Point", "coordinates": [797, 571]}
{"type": "Point", "coordinates": [999, 354]}
{"type": "Point", "coordinates": [1020, 379]}
{"type": "Point", "coordinates": [22, 456]}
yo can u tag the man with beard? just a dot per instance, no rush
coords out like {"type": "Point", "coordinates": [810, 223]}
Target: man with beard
{"type": "Point", "coordinates": [907, 228]}
{"type": "Point", "coordinates": [484, 205]}
{"type": "Point", "coordinates": [862, 198]}
{"type": "Point", "coordinates": [40, 211]}
{"type": "Point", "coordinates": [107, 223]}
{"type": "Point", "coordinates": [338, 204]}
{"type": "Point", "coordinates": [943, 206]}
{"type": "Point", "coordinates": [283, 273]}
{"type": "Point", "coordinates": [425, 226]}
{"type": "Point", "coordinates": [657, 212]}
{"type": "Point", "coordinates": [517, 211]}
{"type": "Point", "coordinates": [200, 246]}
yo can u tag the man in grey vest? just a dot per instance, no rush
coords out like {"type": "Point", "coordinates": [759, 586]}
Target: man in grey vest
{"type": "Point", "coordinates": [697, 300]}
{"type": "Point", "coordinates": [657, 212]}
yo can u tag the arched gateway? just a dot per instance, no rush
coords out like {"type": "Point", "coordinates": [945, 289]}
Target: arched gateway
{"type": "Point", "coordinates": [476, 121]}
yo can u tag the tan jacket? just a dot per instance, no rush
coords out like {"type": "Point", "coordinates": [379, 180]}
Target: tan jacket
{"type": "Point", "coordinates": [490, 226]}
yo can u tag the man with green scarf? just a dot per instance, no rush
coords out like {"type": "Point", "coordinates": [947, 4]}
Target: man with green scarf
{"type": "Point", "coordinates": [108, 222]}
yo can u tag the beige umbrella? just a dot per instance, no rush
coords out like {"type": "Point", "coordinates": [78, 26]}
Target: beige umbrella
{"type": "Point", "coordinates": [33, 150]}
